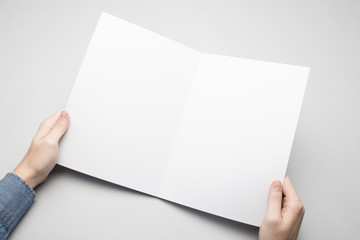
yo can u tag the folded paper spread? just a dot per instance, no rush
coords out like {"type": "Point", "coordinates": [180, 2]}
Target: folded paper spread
{"type": "Point", "coordinates": [206, 131]}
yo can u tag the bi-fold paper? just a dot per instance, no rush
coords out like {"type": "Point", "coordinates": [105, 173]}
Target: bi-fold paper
{"type": "Point", "coordinates": [206, 131]}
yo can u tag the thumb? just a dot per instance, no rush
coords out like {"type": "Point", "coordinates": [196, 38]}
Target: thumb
{"type": "Point", "coordinates": [275, 200]}
{"type": "Point", "coordinates": [60, 127]}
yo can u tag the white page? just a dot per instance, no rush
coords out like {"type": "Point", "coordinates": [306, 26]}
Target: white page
{"type": "Point", "coordinates": [235, 136]}
{"type": "Point", "coordinates": [210, 132]}
{"type": "Point", "coordinates": [126, 104]}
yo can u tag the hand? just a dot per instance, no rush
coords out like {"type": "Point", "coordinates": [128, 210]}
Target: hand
{"type": "Point", "coordinates": [285, 213]}
{"type": "Point", "coordinates": [42, 155]}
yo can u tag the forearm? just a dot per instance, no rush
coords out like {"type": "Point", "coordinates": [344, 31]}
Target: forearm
{"type": "Point", "coordinates": [16, 196]}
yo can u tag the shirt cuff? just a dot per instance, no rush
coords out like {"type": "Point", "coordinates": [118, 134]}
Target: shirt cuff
{"type": "Point", "coordinates": [16, 196]}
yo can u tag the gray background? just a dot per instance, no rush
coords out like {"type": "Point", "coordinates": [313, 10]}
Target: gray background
{"type": "Point", "coordinates": [42, 44]}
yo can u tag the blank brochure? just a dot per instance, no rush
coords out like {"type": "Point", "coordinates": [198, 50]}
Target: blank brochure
{"type": "Point", "coordinates": [206, 131]}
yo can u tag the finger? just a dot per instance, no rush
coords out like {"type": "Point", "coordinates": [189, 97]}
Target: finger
{"type": "Point", "coordinates": [289, 190]}
{"type": "Point", "coordinates": [275, 200]}
{"type": "Point", "coordinates": [47, 124]}
{"type": "Point", "coordinates": [60, 127]}
{"type": "Point", "coordinates": [293, 204]}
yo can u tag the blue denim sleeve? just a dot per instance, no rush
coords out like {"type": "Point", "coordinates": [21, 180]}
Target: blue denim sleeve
{"type": "Point", "coordinates": [16, 196]}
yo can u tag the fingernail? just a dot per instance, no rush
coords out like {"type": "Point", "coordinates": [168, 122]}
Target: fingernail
{"type": "Point", "coordinates": [63, 115]}
{"type": "Point", "coordinates": [276, 185]}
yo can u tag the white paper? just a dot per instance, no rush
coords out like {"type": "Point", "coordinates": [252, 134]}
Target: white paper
{"type": "Point", "coordinates": [206, 131]}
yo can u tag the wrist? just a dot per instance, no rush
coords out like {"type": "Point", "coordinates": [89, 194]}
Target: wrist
{"type": "Point", "coordinates": [27, 175]}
